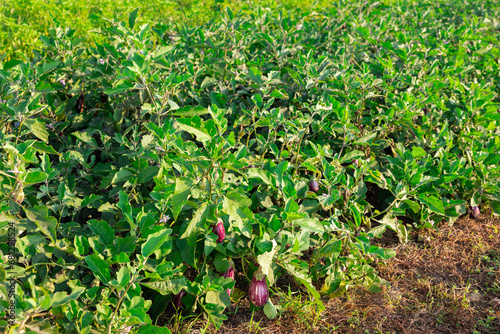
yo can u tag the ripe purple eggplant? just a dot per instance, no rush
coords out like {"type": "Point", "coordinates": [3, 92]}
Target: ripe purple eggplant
{"type": "Point", "coordinates": [177, 300]}
{"type": "Point", "coordinates": [314, 186]}
{"type": "Point", "coordinates": [258, 291]}
{"type": "Point", "coordinates": [229, 273]}
{"type": "Point", "coordinates": [474, 211]}
{"type": "Point", "coordinates": [219, 230]}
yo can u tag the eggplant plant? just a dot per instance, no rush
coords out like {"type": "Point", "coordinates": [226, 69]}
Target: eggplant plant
{"type": "Point", "coordinates": [165, 167]}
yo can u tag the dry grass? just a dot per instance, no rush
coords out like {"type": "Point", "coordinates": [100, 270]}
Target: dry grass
{"type": "Point", "coordinates": [447, 283]}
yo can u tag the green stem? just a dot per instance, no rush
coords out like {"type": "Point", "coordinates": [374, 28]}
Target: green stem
{"type": "Point", "coordinates": [243, 267]}
{"type": "Point", "coordinates": [110, 326]}
{"type": "Point", "coordinates": [300, 143]}
{"type": "Point", "coordinates": [248, 138]}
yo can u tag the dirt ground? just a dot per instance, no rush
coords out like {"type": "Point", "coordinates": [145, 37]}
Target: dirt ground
{"type": "Point", "coordinates": [445, 281]}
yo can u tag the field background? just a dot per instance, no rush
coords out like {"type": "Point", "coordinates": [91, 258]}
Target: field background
{"type": "Point", "coordinates": [392, 106]}
{"type": "Point", "coordinates": [23, 21]}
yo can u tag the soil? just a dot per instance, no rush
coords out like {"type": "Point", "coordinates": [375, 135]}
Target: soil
{"type": "Point", "coordinates": [444, 281]}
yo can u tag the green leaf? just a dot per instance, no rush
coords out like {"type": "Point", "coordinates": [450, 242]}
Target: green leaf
{"type": "Point", "coordinates": [475, 199]}
{"type": "Point", "coordinates": [383, 253]}
{"type": "Point", "coordinates": [85, 138]}
{"type": "Point", "coordinates": [132, 17]}
{"type": "Point", "coordinates": [352, 155]}
{"type": "Point", "coordinates": [270, 310]}
{"type": "Point", "coordinates": [331, 250]}
{"type": "Point", "coordinates": [120, 88]}
{"type": "Point", "coordinates": [188, 235]}
{"type": "Point", "coordinates": [91, 201]}
{"type": "Point", "coordinates": [126, 208]}
{"type": "Point", "coordinates": [257, 99]}
{"type": "Point", "coordinates": [155, 241]}
{"type": "Point", "coordinates": [265, 260]}
{"type": "Point", "coordinates": [418, 152]}
{"type": "Point", "coordinates": [172, 286]}
{"type": "Point", "coordinates": [221, 262]}
{"type": "Point", "coordinates": [41, 147]}
{"type": "Point", "coordinates": [414, 206]}
{"type": "Point", "coordinates": [49, 66]}
{"type": "Point", "coordinates": [126, 245]}
{"type": "Point", "coordinates": [230, 139]}
{"type": "Point", "coordinates": [11, 63]}
{"type": "Point", "coordinates": [262, 174]}
{"type": "Point", "coordinates": [3, 274]}
{"type": "Point", "coordinates": [61, 298]}
{"type": "Point", "coordinates": [81, 244]}
{"type": "Point", "coordinates": [279, 94]}
{"type": "Point", "coordinates": [377, 231]}
{"type": "Point", "coordinates": [393, 223]}
{"type": "Point", "coordinates": [179, 198]}
{"type": "Point", "coordinates": [255, 75]}
{"type": "Point", "coordinates": [150, 329]}
{"type": "Point", "coordinates": [208, 82]}
{"type": "Point", "coordinates": [103, 230]}
{"type": "Point", "coordinates": [123, 276]}
{"type": "Point", "coordinates": [366, 139]}
{"type": "Point", "coordinates": [99, 267]}
{"type": "Point", "coordinates": [147, 174]}
{"type": "Point", "coordinates": [495, 206]}
{"type": "Point", "coordinates": [37, 127]}
{"type": "Point", "coordinates": [356, 212]}
{"type": "Point", "coordinates": [220, 298]}
{"type": "Point", "coordinates": [122, 175]}
{"type": "Point", "coordinates": [310, 224]}
{"type": "Point", "coordinates": [332, 283]}
{"type": "Point", "coordinates": [35, 177]}
{"type": "Point", "coordinates": [107, 207]}
{"type": "Point", "coordinates": [215, 314]}
{"type": "Point", "coordinates": [402, 233]}
{"type": "Point", "coordinates": [210, 243]}
{"type": "Point", "coordinates": [187, 111]}
{"type": "Point", "coordinates": [229, 13]}
{"type": "Point", "coordinates": [434, 204]}
{"type": "Point", "coordinates": [236, 205]}
{"type": "Point", "coordinates": [196, 127]}
{"type": "Point", "coordinates": [218, 117]}
{"type": "Point", "coordinates": [40, 216]}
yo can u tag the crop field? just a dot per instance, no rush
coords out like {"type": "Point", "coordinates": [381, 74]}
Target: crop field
{"type": "Point", "coordinates": [250, 167]}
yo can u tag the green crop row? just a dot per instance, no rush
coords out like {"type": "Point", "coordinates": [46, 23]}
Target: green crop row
{"type": "Point", "coordinates": [23, 22]}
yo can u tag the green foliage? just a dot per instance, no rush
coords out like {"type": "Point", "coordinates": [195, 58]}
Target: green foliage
{"type": "Point", "coordinates": [118, 159]}
{"type": "Point", "coordinates": [24, 21]}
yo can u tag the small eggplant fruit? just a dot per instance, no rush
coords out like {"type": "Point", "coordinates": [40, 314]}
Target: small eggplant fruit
{"type": "Point", "coordinates": [229, 273]}
{"type": "Point", "coordinates": [474, 211]}
{"type": "Point", "coordinates": [220, 231]}
{"type": "Point", "coordinates": [258, 291]}
{"type": "Point", "coordinates": [18, 195]}
{"type": "Point", "coordinates": [103, 98]}
{"type": "Point", "coordinates": [80, 104]}
{"type": "Point", "coordinates": [314, 186]}
{"type": "Point", "coordinates": [177, 300]}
